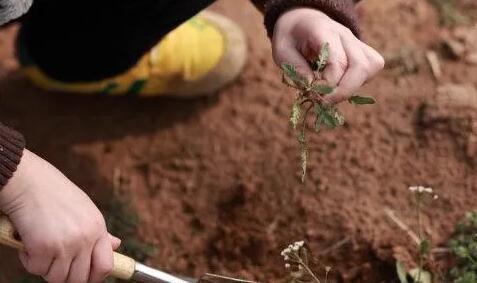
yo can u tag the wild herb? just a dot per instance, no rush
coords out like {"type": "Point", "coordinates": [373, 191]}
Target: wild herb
{"type": "Point", "coordinates": [311, 100]}
{"type": "Point", "coordinates": [298, 260]}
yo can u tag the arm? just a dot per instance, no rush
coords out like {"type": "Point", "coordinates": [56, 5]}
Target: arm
{"type": "Point", "coordinates": [64, 233]}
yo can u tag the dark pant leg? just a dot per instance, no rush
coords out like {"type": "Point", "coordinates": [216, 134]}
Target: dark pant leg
{"type": "Point", "coordinates": [73, 40]}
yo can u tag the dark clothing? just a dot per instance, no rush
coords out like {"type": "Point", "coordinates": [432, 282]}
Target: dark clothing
{"type": "Point", "coordinates": [342, 11]}
{"type": "Point", "coordinates": [11, 150]}
{"type": "Point", "coordinates": [88, 41]}
{"type": "Point", "coordinates": [75, 41]}
{"type": "Point", "coordinates": [92, 40]}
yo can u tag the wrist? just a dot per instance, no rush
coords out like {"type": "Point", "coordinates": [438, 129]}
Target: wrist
{"type": "Point", "coordinates": [341, 11]}
{"type": "Point", "coordinates": [298, 16]}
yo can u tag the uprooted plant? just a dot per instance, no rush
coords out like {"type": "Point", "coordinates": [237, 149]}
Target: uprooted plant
{"type": "Point", "coordinates": [311, 99]}
{"type": "Point", "coordinates": [298, 260]}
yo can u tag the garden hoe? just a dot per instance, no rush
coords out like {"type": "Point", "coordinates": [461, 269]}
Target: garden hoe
{"type": "Point", "coordinates": [125, 268]}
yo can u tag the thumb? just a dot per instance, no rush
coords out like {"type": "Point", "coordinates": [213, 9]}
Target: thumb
{"type": "Point", "coordinates": [115, 242]}
{"type": "Point", "coordinates": [292, 56]}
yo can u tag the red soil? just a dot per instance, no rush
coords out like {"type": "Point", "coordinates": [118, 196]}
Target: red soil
{"type": "Point", "coordinates": [216, 180]}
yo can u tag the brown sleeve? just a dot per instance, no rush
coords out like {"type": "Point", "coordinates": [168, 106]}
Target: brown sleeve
{"type": "Point", "coordinates": [342, 11]}
{"type": "Point", "coordinates": [12, 144]}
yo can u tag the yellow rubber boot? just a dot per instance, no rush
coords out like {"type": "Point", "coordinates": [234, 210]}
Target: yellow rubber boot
{"type": "Point", "coordinates": [198, 57]}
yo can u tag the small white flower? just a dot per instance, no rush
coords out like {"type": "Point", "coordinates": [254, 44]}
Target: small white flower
{"type": "Point", "coordinates": [421, 189]}
{"type": "Point", "coordinates": [287, 265]}
{"type": "Point", "coordinates": [286, 258]}
{"type": "Point", "coordinates": [428, 190]}
{"type": "Point", "coordinates": [296, 248]}
{"type": "Point", "coordinates": [436, 197]}
{"type": "Point", "coordinates": [301, 243]}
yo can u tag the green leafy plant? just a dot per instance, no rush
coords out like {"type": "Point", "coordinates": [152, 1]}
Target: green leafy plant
{"type": "Point", "coordinates": [418, 274]}
{"type": "Point", "coordinates": [464, 248]}
{"type": "Point", "coordinates": [298, 260]}
{"type": "Point", "coordinates": [311, 100]}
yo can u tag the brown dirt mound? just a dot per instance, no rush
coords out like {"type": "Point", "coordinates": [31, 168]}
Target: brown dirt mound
{"type": "Point", "coordinates": [216, 180]}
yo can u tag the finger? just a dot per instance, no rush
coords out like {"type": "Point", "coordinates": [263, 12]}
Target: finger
{"type": "Point", "coordinates": [286, 53]}
{"type": "Point", "coordinates": [80, 268]}
{"type": "Point", "coordinates": [115, 241]}
{"type": "Point", "coordinates": [375, 59]}
{"type": "Point", "coordinates": [101, 260]}
{"type": "Point", "coordinates": [36, 266]}
{"type": "Point", "coordinates": [337, 62]}
{"type": "Point", "coordinates": [356, 74]}
{"type": "Point", "coordinates": [58, 271]}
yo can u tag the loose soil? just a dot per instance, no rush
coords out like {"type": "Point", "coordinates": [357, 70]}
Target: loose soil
{"type": "Point", "coordinates": [216, 181]}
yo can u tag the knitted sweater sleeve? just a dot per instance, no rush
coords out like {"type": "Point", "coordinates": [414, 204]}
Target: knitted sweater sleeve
{"type": "Point", "coordinates": [342, 11]}
{"type": "Point", "coordinates": [12, 144]}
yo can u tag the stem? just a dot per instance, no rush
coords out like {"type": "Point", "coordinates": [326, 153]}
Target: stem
{"type": "Point", "coordinates": [469, 257]}
{"type": "Point", "coordinates": [306, 100]}
{"type": "Point", "coordinates": [326, 276]}
{"type": "Point", "coordinates": [306, 115]}
{"type": "Point", "coordinates": [309, 271]}
{"type": "Point", "coordinates": [419, 234]}
{"type": "Point", "coordinates": [320, 97]}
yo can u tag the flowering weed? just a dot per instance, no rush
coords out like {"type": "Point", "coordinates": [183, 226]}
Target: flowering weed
{"type": "Point", "coordinates": [298, 259]}
{"type": "Point", "coordinates": [419, 275]}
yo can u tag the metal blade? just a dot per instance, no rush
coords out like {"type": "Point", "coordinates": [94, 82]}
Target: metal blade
{"type": "Point", "coordinates": [145, 274]}
{"type": "Point", "coordinates": [214, 278]}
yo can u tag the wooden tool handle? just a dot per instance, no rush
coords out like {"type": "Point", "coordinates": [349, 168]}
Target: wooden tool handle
{"type": "Point", "coordinates": [124, 267]}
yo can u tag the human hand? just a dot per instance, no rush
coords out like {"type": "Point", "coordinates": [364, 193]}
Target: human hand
{"type": "Point", "coordinates": [63, 232]}
{"type": "Point", "coordinates": [297, 38]}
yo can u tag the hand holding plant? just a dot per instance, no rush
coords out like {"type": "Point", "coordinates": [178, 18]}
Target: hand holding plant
{"type": "Point", "coordinates": [299, 35]}
{"type": "Point", "coordinates": [312, 97]}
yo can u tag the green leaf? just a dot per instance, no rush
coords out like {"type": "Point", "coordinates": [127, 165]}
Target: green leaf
{"type": "Point", "coordinates": [361, 100]}
{"type": "Point", "coordinates": [295, 114]}
{"type": "Point", "coordinates": [289, 71]}
{"type": "Point", "coordinates": [424, 247]}
{"type": "Point", "coordinates": [420, 276]}
{"type": "Point", "coordinates": [329, 120]}
{"type": "Point", "coordinates": [290, 74]}
{"type": "Point", "coordinates": [320, 63]}
{"type": "Point", "coordinates": [401, 273]}
{"type": "Point", "coordinates": [322, 89]}
{"type": "Point", "coordinates": [318, 122]}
